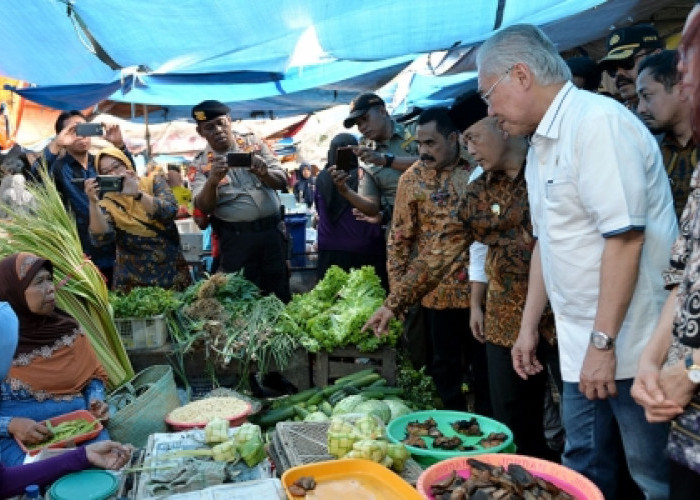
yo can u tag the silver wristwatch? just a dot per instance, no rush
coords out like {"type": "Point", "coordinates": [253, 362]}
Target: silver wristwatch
{"type": "Point", "coordinates": [602, 341]}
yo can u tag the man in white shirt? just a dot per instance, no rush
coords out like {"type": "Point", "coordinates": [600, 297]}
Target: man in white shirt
{"type": "Point", "coordinates": [603, 215]}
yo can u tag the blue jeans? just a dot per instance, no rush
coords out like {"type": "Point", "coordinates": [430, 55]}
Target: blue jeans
{"type": "Point", "coordinates": [10, 452]}
{"type": "Point", "coordinates": [593, 429]}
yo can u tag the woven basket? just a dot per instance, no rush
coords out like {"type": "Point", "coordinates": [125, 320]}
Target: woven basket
{"type": "Point", "coordinates": [151, 395]}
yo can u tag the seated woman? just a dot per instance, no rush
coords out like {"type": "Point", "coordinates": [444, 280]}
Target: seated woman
{"type": "Point", "coordinates": [13, 480]}
{"type": "Point", "coordinates": [54, 369]}
{"type": "Point", "coordinates": [142, 220]}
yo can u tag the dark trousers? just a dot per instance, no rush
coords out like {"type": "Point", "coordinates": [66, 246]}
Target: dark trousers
{"type": "Point", "coordinates": [456, 356]}
{"type": "Point", "coordinates": [261, 254]}
{"type": "Point", "coordinates": [518, 403]}
{"type": "Point", "coordinates": [685, 482]}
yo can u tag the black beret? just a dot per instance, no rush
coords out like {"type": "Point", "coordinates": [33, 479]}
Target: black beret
{"type": "Point", "coordinates": [208, 110]}
{"type": "Point", "coordinates": [467, 109]}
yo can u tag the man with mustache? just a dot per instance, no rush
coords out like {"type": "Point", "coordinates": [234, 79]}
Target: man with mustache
{"type": "Point", "coordinates": [425, 224]}
{"type": "Point", "coordinates": [244, 208]}
{"type": "Point", "coordinates": [626, 47]}
{"type": "Point", "coordinates": [665, 109]}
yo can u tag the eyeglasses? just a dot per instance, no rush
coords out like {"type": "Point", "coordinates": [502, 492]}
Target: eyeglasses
{"type": "Point", "coordinates": [625, 64]}
{"type": "Point", "coordinates": [114, 167]}
{"type": "Point", "coordinates": [486, 97]}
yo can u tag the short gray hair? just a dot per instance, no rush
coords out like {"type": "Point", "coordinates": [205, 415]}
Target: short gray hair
{"type": "Point", "coordinates": [527, 44]}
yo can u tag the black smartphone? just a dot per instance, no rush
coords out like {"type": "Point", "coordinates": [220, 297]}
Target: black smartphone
{"type": "Point", "coordinates": [106, 183]}
{"type": "Point", "coordinates": [345, 159]}
{"type": "Point", "coordinates": [239, 160]}
{"type": "Point", "coordinates": [89, 129]}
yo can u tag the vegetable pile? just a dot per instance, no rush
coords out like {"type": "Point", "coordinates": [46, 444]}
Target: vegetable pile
{"type": "Point", "coordinates": [364, 389]}
{"type": "Point", "coordinates": [143, 302]}
{"type": "Point", "coordinates": [69, 429]}
{"type": "Point", "coordinates": [331, 315]}
{"type": "Point", "coordinates": [363, 436]}
{"type": "Point", "coordinates": [227, 317]}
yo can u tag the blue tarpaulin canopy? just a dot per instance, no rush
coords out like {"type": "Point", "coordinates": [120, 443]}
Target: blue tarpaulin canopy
{"type": "Point", "coordinates": [271, 55]}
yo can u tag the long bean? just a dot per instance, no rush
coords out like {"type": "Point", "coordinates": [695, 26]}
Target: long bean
{"type": "Point", "coordinates": [65, 430]}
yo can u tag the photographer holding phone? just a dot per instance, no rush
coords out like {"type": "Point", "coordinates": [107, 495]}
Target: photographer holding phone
{"type": "Point", "coordinates": [140, 218]}
{"type": "Point", "coordinates": [241, 200]}
{"type": "Point", "coordinates": [67, 157]}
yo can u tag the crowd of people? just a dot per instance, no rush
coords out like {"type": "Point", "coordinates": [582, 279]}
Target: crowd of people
{"type": "Point", "coordinates": [559, 223]}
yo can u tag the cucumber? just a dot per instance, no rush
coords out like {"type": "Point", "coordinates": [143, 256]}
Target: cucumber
{"type": "Point", "coordinates": [315, 399]}
{"type": "Point", "coordinates": [300, 412]}
{"type": "Point", "coordinates": [381, 392]}
{"type": "Point", "coordinates": [354, 376]}
{"type": "Point", "coordinates": [378, 383]}
{"type": "Point", "coordinates": [363, 381]}
{"type": "Point", "coordinates": [300, 397]}
{"type": "Point", "coordinates": [337, 397]}
{"type": "Point", "coordinates": [311, 408]}
{"type": "Point", "coordinates": [271, 417]}
{"type": "Point", "coordinates": [326, 408]}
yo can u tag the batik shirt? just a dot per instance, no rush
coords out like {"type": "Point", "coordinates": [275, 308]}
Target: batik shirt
{"type": "Point", "coordinates": [685, 269]}
{"type": "Point", "coordinates": [424, 229]}
{"type": "Point", "coordinates": [679, 162]}
{"type": "Point", "coordinates": [496, 213]}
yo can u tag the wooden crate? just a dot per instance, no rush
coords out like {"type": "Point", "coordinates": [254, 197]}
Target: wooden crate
{"type": "Point", "coordinates": [340, 362]}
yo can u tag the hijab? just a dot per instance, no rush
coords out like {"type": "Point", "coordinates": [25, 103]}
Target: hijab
{"type": "Point", "coordinates": [334, 201]}
{"type": "Point", "coordinates": [53, 356]}
{"type": "Point", "coordinates": [127, 213]}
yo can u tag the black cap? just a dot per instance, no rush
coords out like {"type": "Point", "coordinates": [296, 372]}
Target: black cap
{"type": "Point", "coordinates": [360, 105]}
{"type": "Point", "coordinates": [623, 43]}
{"type": "Point", "coordinates": [208, 110]}
{"type": "Point", "coordinates": [468, 109]}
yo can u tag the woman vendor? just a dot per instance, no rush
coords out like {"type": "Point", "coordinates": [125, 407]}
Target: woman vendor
{"type": "Point", "coordinates": [13, 480]}
{"type": "Point", "coordinates": [142, 220]}
{"type": "Point", "coordinates": [54, 370]}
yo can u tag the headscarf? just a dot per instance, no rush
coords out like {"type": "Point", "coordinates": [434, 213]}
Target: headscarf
{"type": "Point", "coordinates": [334, 201]}
{"type": "Point", "coordinates": [127, 213]}
{"type": "Point", "coordinates": [52, 356]}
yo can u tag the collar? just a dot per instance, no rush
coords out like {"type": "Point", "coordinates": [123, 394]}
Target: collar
{"type": "Point", "coordinates": [398, 131]}
{"type": "Point", "coordinates": [549, 125]}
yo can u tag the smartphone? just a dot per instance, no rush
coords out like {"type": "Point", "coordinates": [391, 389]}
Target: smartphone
{"type": "Point", "coordinates": [89, 129]}
{"type": "Point", "coordinates": [345, 159]}
{"type": "Point", "coordinates": [239, 160]}
{"type": "Point", "coordinates": [106, 183]}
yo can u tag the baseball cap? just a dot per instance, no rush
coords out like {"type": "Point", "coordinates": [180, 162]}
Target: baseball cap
{"type": "Point", "coordinates": [623, 43]}
{"type": "Point", "coordinates": [360, 105]}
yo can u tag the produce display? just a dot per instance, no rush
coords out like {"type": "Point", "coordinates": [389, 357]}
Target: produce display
{"type": "Point", "coordinates": [332, 314]}
{"type": "Point", "coordinates": [227, 317]}
{"type": "Point", "coordinates": [488, 481]}
{"type": "Point", "coordinates": [204, 410]}
{"type": "Point", "coordinates": [363, 436]}
{"type": "Point", "coordinates": [143, 302]}
{"type": "Point", "coordinates": [364, 388]}
{"type": "Point", "coordinates": [246, 444]}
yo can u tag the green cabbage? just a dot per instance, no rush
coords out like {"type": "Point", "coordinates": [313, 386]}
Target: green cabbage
{"type": "Point", "coordinates": [397, 408]}
{"type": "Point", "coordinates": [374, 407]}
{"type": "Point", "coordinates": [347, 405]}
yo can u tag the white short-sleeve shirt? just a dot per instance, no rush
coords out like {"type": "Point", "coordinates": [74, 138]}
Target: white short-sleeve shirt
{"type": "Point", "coordinates": [593, 171]}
